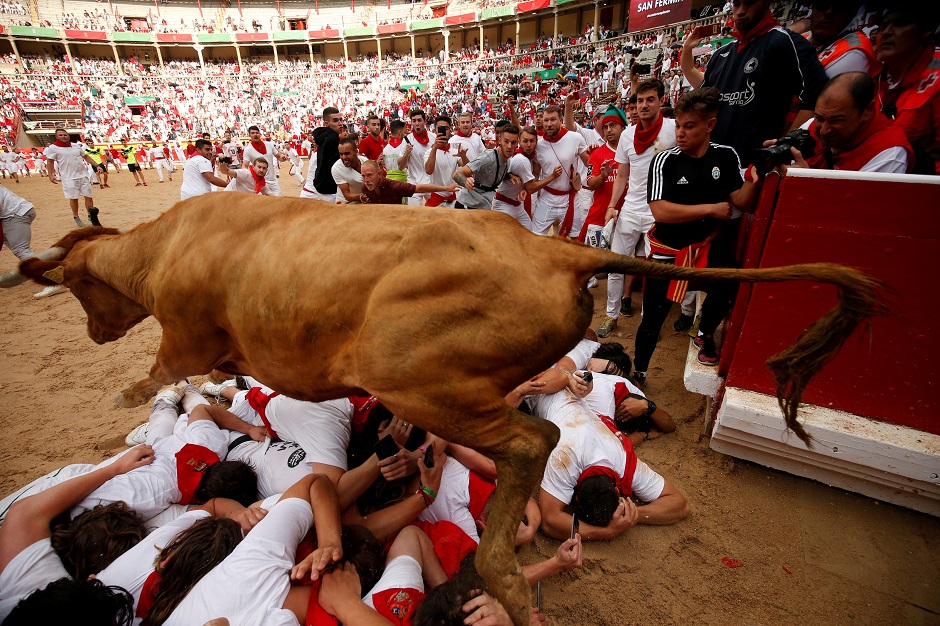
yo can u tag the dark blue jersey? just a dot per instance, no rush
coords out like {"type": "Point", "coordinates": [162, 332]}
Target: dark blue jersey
{"type": "Point", "coordinates": [762, 87]}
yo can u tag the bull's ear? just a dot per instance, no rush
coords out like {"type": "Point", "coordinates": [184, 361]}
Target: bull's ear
{"type": "Point", "coordinates": [46, 272]}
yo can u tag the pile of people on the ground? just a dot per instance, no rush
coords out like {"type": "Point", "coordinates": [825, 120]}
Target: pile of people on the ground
{"type": "Point", "coordinates": [264, 509]}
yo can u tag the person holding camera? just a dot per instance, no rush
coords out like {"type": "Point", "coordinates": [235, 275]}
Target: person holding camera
{"type": "Point", "coordinates": [691, 190]}
{"type": "Point", "coordinates": [419, 143]}
{"type": "Point", "coordinates": [442, 162]}
{"type": "Point", "coordinates": [847, 133]}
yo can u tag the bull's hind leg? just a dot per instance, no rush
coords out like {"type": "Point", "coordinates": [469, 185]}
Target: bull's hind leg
{"type": "Point", "coordinates": [523, 444]}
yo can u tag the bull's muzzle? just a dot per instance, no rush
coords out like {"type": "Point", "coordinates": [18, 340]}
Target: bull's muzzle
{"type": "Point", "coordinates": [14, 278]}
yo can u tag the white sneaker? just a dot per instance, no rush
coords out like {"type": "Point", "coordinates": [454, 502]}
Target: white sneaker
{"type": "Point", "coordinates": [51, 290]}
{"type": "Point", "coordinates": [137, 436]}
{"type": "Point", "coordinates": [215, 390]}
{"type": "Point", "coordinates": [592, 283]}
{"type": "Point", "coordinates": [171, 395]}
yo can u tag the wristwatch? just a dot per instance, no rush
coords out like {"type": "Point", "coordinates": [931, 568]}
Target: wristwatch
{"type": "Point", "coordinates": [650, 409]}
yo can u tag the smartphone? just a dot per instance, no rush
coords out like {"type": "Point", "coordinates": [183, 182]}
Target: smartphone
{"type": "Point", "coordinates": [584, 93]}
{"type": "Point", "coordinates": [575, 525]}
{"type": "Point", "coordinates": [701, 32]}
{"type": "Point", "coordinates": [385, 447]}
{"type": "Point", "coordinates": [642, 68]}
{"type": "Point", "coordinates": [587, 376]}
{"type": "Point", "coordinates": [512, 93]}
{"type": "Point", "coordinates": [441, 130]}
{"type": "Point", "coordinates": [429, 456]}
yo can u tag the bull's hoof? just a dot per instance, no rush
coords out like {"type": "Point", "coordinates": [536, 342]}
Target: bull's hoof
{"type": "Point", "coordinates": [126, 400]}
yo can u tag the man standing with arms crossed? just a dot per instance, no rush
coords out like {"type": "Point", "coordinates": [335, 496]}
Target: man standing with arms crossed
{"type": "Point", "coordinates": [420, 141]}
{"type": "Point", "coordinates": [558, 148]}
{"type": "Point", "coordinates": [71, 160]}
{"type": "Point", "coordinates": [691, 191]}
{"type": "Point", "coordinates": [637, 146]}
{"type": "Point", "coordinates": [257, 148]}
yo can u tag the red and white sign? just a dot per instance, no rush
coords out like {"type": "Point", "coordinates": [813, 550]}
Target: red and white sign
{"type": "Point", "coordinates": [647, 14]}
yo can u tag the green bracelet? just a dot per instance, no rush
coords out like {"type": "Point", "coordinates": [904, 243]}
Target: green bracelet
{"type": "Point", "coordinates": [428, 493]}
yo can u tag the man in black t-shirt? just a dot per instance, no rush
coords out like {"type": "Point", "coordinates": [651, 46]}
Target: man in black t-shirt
{"type": "Point", "coordinates": [691, 189]}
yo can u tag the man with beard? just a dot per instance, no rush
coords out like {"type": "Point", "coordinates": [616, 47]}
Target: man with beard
{"type": "Point", "coordinates": [834, 34]}
{"type": "Point", "coordinates": [558, 148]}
{"type": "Point", "coordinates": [635, 150]}
{"type": "Point", "coordinates": [514, 194]}
{"type": "Point", "coordinates": [372, 144]}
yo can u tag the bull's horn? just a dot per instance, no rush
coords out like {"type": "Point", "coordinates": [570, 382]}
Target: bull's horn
{"type": "Point", "coordinates": [14, 278]}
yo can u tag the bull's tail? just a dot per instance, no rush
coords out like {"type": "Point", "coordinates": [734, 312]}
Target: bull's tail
{"type": "Point", "coordinates": [794, 367]}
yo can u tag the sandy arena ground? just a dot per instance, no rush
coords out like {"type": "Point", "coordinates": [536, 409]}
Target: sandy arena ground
{"type": "Point", "coordinates": [810, 553]}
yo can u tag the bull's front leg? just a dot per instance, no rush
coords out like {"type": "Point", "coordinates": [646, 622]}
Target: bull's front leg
{"type": "Point", "coordinates": [140, 392]}
{"type": "Point", "coordinates": [520, 461]}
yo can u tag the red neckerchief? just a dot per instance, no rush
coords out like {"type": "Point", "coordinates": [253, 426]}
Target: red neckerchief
{"type": "Point", "coordinates": [624, 483]}
{"type": "Point", "coordinates": [260, 181]}
{"type": "Point", "coordinates": [67, 144]}
{"type": "Point", "coordinates": [259, 146]}
{"type": "Point", "coordinates": [767, 23]}
{"type": "Point", "coordinates": [460, 134]}
{"type": "Point", "coordinates": [561, 133]}
{"type": "Point", "coordinates": [422, 138]}
{"type": "Point", "coordinates": [880, 135]}
{"type": "Point", "coordinates": [148, 595]}
{"type": "Point", "coordinates": [191, 463]}
{"type": "Point", "coordinates": [258, 400]}
{"type": "Point", "coordinates": [539, 132]}
{"type": "Point", "coordinates": [394, 141]}
{"type": "Point", "coordinates": [643, 139]}
{"type": "Point", "coordinates": [316, 615]}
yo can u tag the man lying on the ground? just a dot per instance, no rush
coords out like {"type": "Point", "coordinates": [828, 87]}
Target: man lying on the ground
{"type": "Point", "coordinates": [593, 467]}
{"type": "Point", "coordinates": [188, 464]}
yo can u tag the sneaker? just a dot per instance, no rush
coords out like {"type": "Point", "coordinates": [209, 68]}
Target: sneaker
{"type": "Point", "coordinates": [626, 307]}
{"type": "Point", "coordinates": [215, 390]}
{"type": "Point", "coordinates": [607, 326]}
{"type": "Point", "coordinates": [137, 436]}
{"type": "Point", "coordinates": [107, 186]}
{"type": "Point", "coordinates": [708, 353]}
{"type": "Point", "coordinates": [137, 185]}
{"type": "Point", "coordinates": [78, 221]}
{"type": "Point", "coordinates": [51, 290]}
{"type": "Point", "coordinates": [693, 332]}
{"type": "Point", "coordinates": [171, 179]}
{"type": "Point", "coordinates": [145, 184]}
{"type": "Point", "coordinates": [161, 182]}
{"type": "Point", "coordinates": [171, 395]}
{"type": "Point", "coordinates": [638, 378]}
{"type": "Point", "coordinates": [592, 283]}
{"type": "Point", "coordinates": [683, 323]}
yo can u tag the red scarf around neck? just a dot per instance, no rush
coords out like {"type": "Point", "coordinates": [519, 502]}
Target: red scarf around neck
{"type": "Point", "coordinates": [422, 137]}
{"type": "Point", "coordinates": [260, 181]}
{"type": "Point", "coordinates": [880, 135]}
{"type": "Point", "coordinates": [394, 141]}
{"type": "Point", "coordinates": [462, 135]}
{"type": "Point", "coordinates": [643, 139]}
{"type": "Point", "coordinates": [767, 23]}
{"type": "Point", "coordinates": [67, 144]}
{"type": "Point", "coordinates": [561, 133]}
{"type": "Point", "coordinates": [259, 146]}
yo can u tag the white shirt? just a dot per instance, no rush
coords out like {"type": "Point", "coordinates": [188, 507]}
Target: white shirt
{"type": "Point", "coordinates": [30, 570]}
{"type": "Point", "coordinates": [586, 442]}
{"type": "Point", "coordinates": [343, 175]}
{"type": "Point", "coordinates": [278, 464]}
{"type": "Point", "coordinates": [445, 165]}
{"type": "Point", "coordinates": [602, 398]}
{"type": "Point", "coordinates": [416, 173]}
{"type": "Point", "coordinates": [12, 205]}
{"type": "Point", "coordinates": [453, 500]}
{"type": "Point", "coordinates": [391, 154]}
{"type": "Point", "coordinates": [245, 182]}
{"type": "Point", "coordinates": [194, 183]}
{"type": "Point", "coordinates": [566, 152]}
{"type": "Point", "coordinates": [131, 570]}
{"type": "Point", "coordinates": [70, 162]}
{"type": "Point", "coordinates": [402, 572]}
{"type": "Point", "coordinates": [581, 354]}
{"type": "Point", "coordinates": [156, 153]}
{"type": "Point", "coordinates": [521, 166]}
{"type": "Point", "coordinates": [250, 154]}
{"type": "Point", "coordinates": [472, 144]}
{"type": "Point", "coordinates": [639, 164]}
{"type": "Point", "coordinates": [232, 150]}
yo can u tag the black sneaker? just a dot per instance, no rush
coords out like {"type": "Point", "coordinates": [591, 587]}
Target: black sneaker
{"type": "Point", "coordinates": [626, 307]}
{"type": "Point", "coordinates": [683, 323]}
{"type": "Point", "coordinates": [708, 353]}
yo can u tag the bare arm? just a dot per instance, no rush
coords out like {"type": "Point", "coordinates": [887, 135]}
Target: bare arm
{"type": "Point", "coordinates": [670, 507]}
{"type": "Point", "coordinates": [687, 62]}
{"type": "Point", "coordinates": [556, 523]}
{"type": "Point", "coordinates": [28, 519]}
{"type": "Point", "coordinates": [570, 124]}
{"type": "Point", "coordinates": [350, 197]}
{"type": "Point", "coordinates": [215, 180]}
{"type": "Point", "coordinates": [746, 197]}
{"type": "Point", "coordinates": [620, 184]}
{"type": "Point", "coordinates": [431, 161]}
{"type": "Point", "coordinates": [432, 188]}
{"type": "Point", "coordinates": [352, 483]}
{"type": "Point", "coordinates": [534, 185]}
{"type": "Point", "coordinates": [802, 117]}
{"type": "Point", "coordinates": [50, 170]}
{"type": "Point", "coordinates": [403, 160]}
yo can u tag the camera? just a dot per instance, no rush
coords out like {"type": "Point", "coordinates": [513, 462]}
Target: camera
{"type": "Point", "coordinates": [766, 159]}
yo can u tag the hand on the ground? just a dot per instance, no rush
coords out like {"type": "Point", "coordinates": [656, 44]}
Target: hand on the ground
{"type": "Point", "coordinates": [138, 456]}
{"type": "Point", "coordinates": [399, 466]}
{"type": "Point", "coordinates": [317, 561]}
{"type": "Point", "coordinates": [569, 554]}
{"type": "Point", "coordinates": [340, 588]}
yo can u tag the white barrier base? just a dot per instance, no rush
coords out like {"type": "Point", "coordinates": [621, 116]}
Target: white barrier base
{"type": "Point", "coordinates": [892, 463]}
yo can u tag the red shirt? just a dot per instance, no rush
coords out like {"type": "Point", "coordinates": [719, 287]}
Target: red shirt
{"type": "Point", "coordinates": [598, 209]}
{"type": "Point", "coordinates": [390, 192]}
{"type": "Point", "coordinates": [371, 147]}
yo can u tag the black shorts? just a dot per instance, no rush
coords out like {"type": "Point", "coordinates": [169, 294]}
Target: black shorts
{"type": "Point", "coordinates": [101, 167]}
{"type": "Point", "coordinates": [133, 167]}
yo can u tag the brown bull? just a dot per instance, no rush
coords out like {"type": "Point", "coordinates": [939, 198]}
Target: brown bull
{"type": "Point", "coordinates": [439, 313]}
